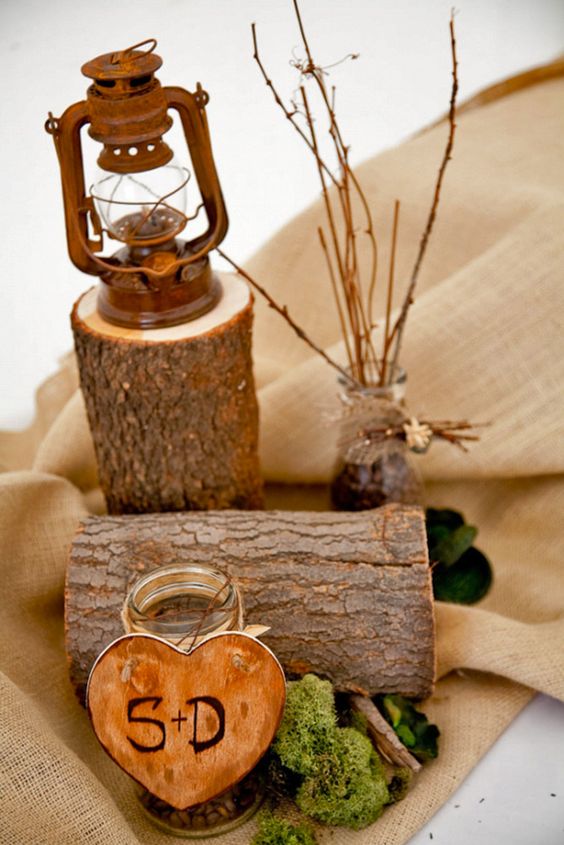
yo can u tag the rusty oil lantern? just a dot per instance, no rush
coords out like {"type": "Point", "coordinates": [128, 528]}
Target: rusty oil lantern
{"type": "Point", "coordinates": [139, 198]}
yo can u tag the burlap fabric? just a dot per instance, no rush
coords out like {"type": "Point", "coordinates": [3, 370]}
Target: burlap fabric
{"type": "Point", "coordinates": [484, 342]}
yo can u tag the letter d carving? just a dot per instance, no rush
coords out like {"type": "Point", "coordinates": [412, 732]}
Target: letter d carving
{"type": "Point", "coordinates": [202, 745]}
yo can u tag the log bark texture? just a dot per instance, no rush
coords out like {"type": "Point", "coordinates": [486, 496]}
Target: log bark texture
{"type": "Point", "coordinates": [347, 595]}
{"type": "Point", "coordinates": [174, 418]}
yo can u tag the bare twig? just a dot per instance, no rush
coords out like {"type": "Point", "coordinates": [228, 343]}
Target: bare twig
{"type": "Point", "coordinates": [455, 432]}
{"type": "Point", "coordinates": [283, 311]}
{"type": "Point", "coordinates": [358, 320]}
{"type": "Point", "coordinates": [354, 303]}
{"type": "Point", "coordinates": [324, 191]}
{"type": "Point", "coordinates": [344, 329]}
{"type": "Point", "coordinates": [290, 115]}
{"type": "Point", "coordinates": [357, 368]}
{"type": "Point", "coordinates": [349, 271]}
{"type": "Point", "coordinates": [387, 742]}
{"type": "Point", "coordinates": [390, 296]}
{"type": "Point", "coordinates": [400, 324]}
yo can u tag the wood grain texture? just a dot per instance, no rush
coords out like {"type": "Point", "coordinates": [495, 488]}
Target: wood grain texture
{"type": "Point", "coordinates": [186, 726]}
{"type": "Point", "coordinates": [175, 421]}
{"type": "Point", "coordinates": [347, 595]}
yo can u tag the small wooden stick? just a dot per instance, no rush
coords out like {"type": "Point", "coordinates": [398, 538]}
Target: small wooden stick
{"type": "Point", "coordinates": [383, 736]}
{"type": "Point", "coordinates": [283, 311]}
{"type": "Point", "coordinates": [390, 296]}
{"type": "Point", "coordinates": [344, 329]}
{"type": "Point", "coordinates": [290, 115]}
{"type": "Point", "coordinates": [397, 331]}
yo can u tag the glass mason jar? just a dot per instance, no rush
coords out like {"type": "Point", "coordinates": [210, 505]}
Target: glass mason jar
{"type": "Point", "coordinates": [184, 604]}
{"type": "Point", "coordinates": [374, 468]}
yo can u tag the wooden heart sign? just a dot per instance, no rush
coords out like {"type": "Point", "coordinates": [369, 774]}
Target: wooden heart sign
{"type": "Point", "coordinates": [186, 726]}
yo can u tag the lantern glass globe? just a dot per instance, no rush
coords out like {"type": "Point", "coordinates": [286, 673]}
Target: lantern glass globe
{"type": "Point", "coordinates": [145, 207]}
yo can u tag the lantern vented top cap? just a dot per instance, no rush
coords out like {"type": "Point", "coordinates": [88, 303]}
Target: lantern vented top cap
{"type": "Point", "coordinates": [125, 64]}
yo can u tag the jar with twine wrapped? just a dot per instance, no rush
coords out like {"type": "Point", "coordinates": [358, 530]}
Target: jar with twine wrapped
{"type": "Point", "coordinates": [374, 465]}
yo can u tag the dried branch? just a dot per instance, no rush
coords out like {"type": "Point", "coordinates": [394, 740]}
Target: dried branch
{"type": "Point", "coordinates": [290, 115]}
{"type": "Point", "coordinates": [283, 311]}
{"type": "Point", "coordinates": [360, 316]}
{"type": "Point", "coordinates": [354, 302]}
{"type": "Point", "coordinates": [383, 736]}
{"type": "Point", "coordinates": [353, 307]}
{"type": "Point", "coordinates": [347, 265]}
{"type": "Point", "coordinates": [390, 296]}
{"type": "Point", "coordinates": [399, 327]}
{"type": "Point", "coordinates": [324, 191]}
{"type": "Point", "coordinates": [419, 433]}
{"type": "Point", "coordinates": [344, 330]}
{"type": "Point", "coordinates": [356, 368]}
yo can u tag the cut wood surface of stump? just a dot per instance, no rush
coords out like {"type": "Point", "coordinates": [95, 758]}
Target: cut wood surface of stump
{"type": "Point", "coordinates": [346, 595]}
{"type": "Point", "coordinates": [173, 412]}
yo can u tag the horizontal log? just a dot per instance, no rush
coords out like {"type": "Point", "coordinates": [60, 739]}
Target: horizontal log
{"type": "Point", "coordinates": [347, 595]}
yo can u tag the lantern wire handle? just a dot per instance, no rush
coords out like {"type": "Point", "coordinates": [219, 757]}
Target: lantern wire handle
{"type": "Point", "coordinates": [123, 54]}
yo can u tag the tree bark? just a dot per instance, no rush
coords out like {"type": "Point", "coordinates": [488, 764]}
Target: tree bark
{"type": "Point", "coordinates": [347, 595]}
{"type": "Point", "coordinates": [173, 412]}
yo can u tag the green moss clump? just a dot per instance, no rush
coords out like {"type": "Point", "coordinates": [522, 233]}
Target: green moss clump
{"type": "Point", "coordinates": [309, 723]}
{"type": "Point", "coordinates": [275, 831]}
{"type": "Point", "coordinates": [358, 721]}
{"type": "Point", "coordinates": [348, 787]}
{"type": "Point", "coordinates": [343, 780]}
{"type": "Point", "coordinates": [399, 785]}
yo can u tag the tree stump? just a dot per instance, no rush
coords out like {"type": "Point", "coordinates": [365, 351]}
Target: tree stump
{"type": "Point", "coordinates": [173, 411]}
{"type": "Point", "coordinates": [347, 595]}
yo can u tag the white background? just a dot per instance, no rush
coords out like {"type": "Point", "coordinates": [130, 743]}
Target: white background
{"type": "Point", "coordinates": [400, 83]}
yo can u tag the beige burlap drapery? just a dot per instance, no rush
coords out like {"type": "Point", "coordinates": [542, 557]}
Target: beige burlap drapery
{"type": "Point", "coordinates": [484, 342]}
